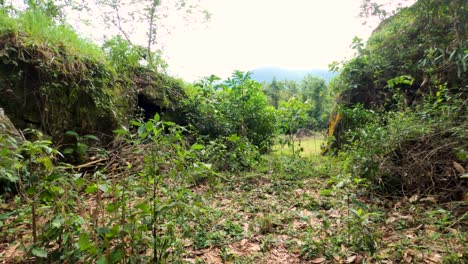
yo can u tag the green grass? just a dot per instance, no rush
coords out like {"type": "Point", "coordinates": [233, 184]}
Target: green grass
{"type": "Point", "coordinates": [41, 30]}
{"type": "Point", "coordinates": [310, 145]}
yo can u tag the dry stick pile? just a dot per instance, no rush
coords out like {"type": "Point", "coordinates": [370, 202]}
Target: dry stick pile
{"type": "Point", "coordinates": [117, 163]}
{"type": "Point", "coordinates": [428, 165]}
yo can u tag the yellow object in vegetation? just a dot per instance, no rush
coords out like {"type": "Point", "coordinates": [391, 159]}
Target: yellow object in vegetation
{"type": "Point", "coordinates": [333, 123]}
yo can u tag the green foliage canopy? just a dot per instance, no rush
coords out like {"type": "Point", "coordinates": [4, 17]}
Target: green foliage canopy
{"type": "Point", "coordinates": [236, 106]}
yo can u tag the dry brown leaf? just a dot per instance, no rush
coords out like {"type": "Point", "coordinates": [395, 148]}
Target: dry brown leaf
{"type": "Point", "coordinates": [359, 259]}
{"type": "Point", "coordinates": [246, 226]}
{"type": "Point", "coordinates": [458, 167]}
{"type": "Point", "coordinates": [435, 258]}
{"type": "Point", "coordinates": [244, 247]}
{"type": "Point", "coordinates": [212, 257]}
{"type": "Point", "coordinates": [410, 234]}
{"type": "Point", "coordinates": [314, 221]}
{"type": "Point", "coordinates": [305, 213]}
{"type": "Point", "coordinates": [407, 256]}
{"type": "Point", "coordinates": [429, 199]}
{"type": "Point", "coordinates": [350, 259]}
{"type": "Point", "coordinates": [253, 247]}
{"type": "Point", "coordinates": [414, 198]}
{"type": "Point", "coordinates": [391, 219]}
{"type": "Point", "coordinates": [299, 192]}
{"type": "Point", "coordinates": [244, 241]}
{"type": "Point", "coordinates": [404, 217]}
{"type": "Point", "coordinates": [299, 224]}
{"type": "Point", "coordinates": [318, 260]}
{"type": "Point", "coordinates": [189, 260]}
{"type": "Point", "coordinates": [335, 215]}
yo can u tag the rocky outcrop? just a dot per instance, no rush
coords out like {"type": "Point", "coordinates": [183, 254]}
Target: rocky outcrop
{"type": "Point", "coordinates": [54, 90]}
{"type": "Point", "coordinates": [7, 127]}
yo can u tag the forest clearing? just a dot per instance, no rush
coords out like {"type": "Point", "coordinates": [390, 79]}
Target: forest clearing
{"type": "Point", "coordinates": [105, 157]}
{"type": "Point", "coordinates": [310, 144]}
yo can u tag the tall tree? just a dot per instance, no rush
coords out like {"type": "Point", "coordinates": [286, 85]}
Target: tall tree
{"type": "Point", "coordinates": [291, 88]}
{"type": "Point", "coordinates": [274, 92]}
{"type": "Point", "coordinates": [131, 18]}
{"type": "Point", "coordinates": [375, 11]}
{"type": "Point", "coordinates": [314, 91]}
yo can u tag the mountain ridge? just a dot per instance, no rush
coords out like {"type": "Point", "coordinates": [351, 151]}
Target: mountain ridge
{"type": "Point", "coordinates": [266, 74]}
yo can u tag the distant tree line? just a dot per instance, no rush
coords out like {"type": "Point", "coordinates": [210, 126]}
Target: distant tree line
{"type": "Point", "coordinates": [312, 91]}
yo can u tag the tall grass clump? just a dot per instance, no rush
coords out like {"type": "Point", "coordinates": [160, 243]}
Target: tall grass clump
{"type": "Point", "coordinates": [34, 28]}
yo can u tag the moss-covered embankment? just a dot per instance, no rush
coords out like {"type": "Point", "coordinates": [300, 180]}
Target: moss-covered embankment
{"type": "Point", "coordinates": [55, 81]}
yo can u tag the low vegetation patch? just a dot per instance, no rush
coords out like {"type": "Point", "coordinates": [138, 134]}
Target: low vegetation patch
{"type": "Point", "coordinates": [230, 171]}
{"type": "Point", "coordinates": [307, 146]}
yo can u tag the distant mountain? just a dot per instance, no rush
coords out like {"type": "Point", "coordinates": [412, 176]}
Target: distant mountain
{"type": "Point", "coordinates": [266, 74]}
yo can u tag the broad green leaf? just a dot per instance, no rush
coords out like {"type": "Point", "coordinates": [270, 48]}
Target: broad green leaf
{"type": "Point", "coordinates": [84, 241]}
{"type": "Point", "coordinates": [141, 131]}
{"type": "Point", "coordinates": [102, 260]}
{"type": "Point", "coordinates": [92, 188]}
{"type": "Point", "coordinates": [111, 207]}
{"type": "Point", "coordinates": [121, 132]}
{"type": "Point", "coordinates": [81, 148]}
{"type": "Point", "coordinates": [39, 252]}
{"type": "Point", "coordinates": [72, 133]}
{"type": "Point", "coordinates": [140, 191]}
{"type": "Point", "coordinates": [156, 117]}
{"type": "Point", "coordinates": [197, 146]}
{"type": "Point", "coordinates": [103, 187]}
{"type": "Point", "coordinates": [116, 255]}
{"type": "Point", "coordinates": [135, 123]}
{"type": "Point", "coordinates": [145, 207]}
{"type": "Point", "coordinates": [207, 165]}
{"type": "Point", "coordinates": [149, 126]}
{"type": "Point", "coordinates": [92, 137]}
{"type": "Point", "coordinates": [169, 123]}
{"type": "Point", "coordinates": [326, 192]}
{"type": "Point", "coordinates": [80, 182]}
{"type": "Point", "coordinates": [58, 221]}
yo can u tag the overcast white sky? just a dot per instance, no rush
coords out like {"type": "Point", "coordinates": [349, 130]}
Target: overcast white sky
{"type": "Point", "coordinates": [245, 34]}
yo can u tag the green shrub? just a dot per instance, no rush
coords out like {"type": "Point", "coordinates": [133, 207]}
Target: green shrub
{"type": "Point", "coordinates": [232, 153]}
{"type": "Point", "coordinates": [236, 106]}
{"type": "Point", "coordinates": [411, 151]}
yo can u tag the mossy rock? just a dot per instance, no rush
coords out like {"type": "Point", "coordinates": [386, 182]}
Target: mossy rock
{"type": "Point", "coordinates": [46, 88]}
{"type": "Point", "coordinates": [7, 127]}
{"type": "Point", "coordinates": [162, 94]}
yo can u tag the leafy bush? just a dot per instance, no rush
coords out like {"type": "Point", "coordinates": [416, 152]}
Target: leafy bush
{"type": "Point", "coordinates": [292, 115]}
{"type": "Point", "coordinates": [236, 106]}
{"type": "Point", "coordinates": [9, 161]}
{"type": "Point", "coordinates": [413, 151]}
{"type": "Point", "coordinates": [232, 153]}
{"type": "Point", "coordinates": [402, 102]}
{"type": "Point", "coordinates": [150, 210]}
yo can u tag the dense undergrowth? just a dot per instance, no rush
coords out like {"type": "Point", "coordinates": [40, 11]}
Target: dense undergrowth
{"type": "Point", "coordinates": [192, 175]}
{"type": "Point", "coordinates": [420, 151]}
{"type": "Point", "coordinates": [402, 104]}
{"type": "Point", "coordinates": [156, 199]}
{"type": "Point", "coordinates": [53, 79]}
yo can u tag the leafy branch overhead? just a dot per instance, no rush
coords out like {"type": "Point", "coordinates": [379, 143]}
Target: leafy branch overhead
{"type": "Point", "coordinates": [151, 17]}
